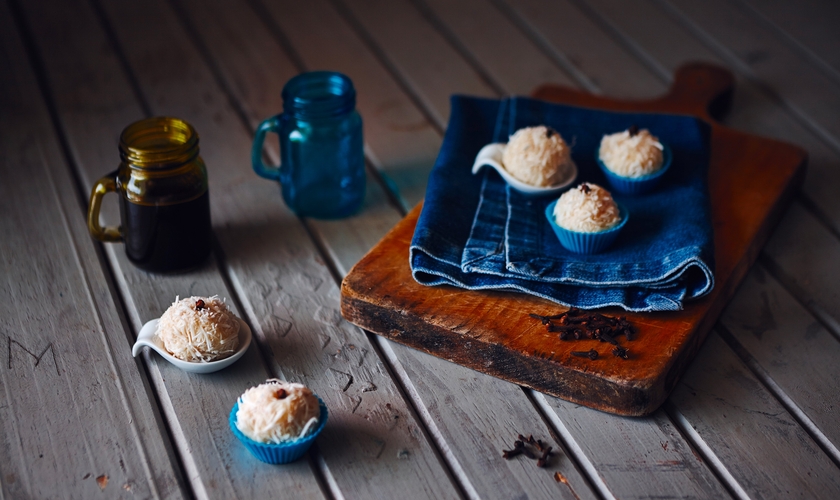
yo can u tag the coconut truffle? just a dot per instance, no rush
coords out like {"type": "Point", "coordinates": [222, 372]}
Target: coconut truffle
{"type": "Point", "coordinates": [538, 156]}
{"type": "Point", "coordinates": [588, 208]}
{"type": "Point", "coordinates": [631, 153]}
{"type": "Point", "coordinates": [199, 329]}
{"type": "Point", "coordinates": [277, 411]}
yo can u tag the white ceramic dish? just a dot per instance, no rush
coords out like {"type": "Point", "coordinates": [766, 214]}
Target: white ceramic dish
{"type": "Point", "coordinates": [491, 156]}
{"type": "Point", "coordinates": [147, 338]}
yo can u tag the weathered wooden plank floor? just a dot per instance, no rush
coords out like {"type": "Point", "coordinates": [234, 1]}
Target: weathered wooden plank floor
{"type": "Point", "coordinates": [756, 415]}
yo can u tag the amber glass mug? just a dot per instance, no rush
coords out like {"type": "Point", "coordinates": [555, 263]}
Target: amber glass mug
{"type": "Point", "coordinates": [163, 197]}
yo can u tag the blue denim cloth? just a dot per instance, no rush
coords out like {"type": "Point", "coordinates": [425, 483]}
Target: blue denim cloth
{"type": "Point", "coordinates": [477, 233]}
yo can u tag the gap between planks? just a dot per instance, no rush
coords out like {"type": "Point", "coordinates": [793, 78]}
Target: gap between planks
{"type": "Point", "coordinates": [796, 412]}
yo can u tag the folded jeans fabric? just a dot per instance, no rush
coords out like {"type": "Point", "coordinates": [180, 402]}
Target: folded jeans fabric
{"type": "Point", "coordinates": [476, 232]}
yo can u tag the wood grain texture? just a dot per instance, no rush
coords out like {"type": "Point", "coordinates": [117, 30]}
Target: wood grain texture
{"type": "Point", "coordinates": [286, 290]}
{"type": "Point", "coordinates": [596, 60]}
{"type": "Point", "coordinates": [77, 417]}
{"type": "Point", "coordinates": [808, 26]}
{"type": "Point", "coordinates": [751, 434]}
{"type": "Point", "coordinates": [506, 54]}
{"type": "Point", "coordinates": [394, 28]}
{"type": "Point", "coordinates": [380, 295]}
{"type": "Point", "coordinates": [636, 457]}
{"type": "Point", "coordinates": [94, 100]}
{"type": "Point", "coordinates": [789, 345]}
{"type": "Point", "coordinates": [802, 88]}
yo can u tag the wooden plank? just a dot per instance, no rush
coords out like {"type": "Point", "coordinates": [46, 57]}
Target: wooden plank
{"type": "Point", "coordinates": [751, 434]}
{"type": "Point", "coordinates": [488, 38]}
{"type": "Point", "coordinates": [809, 26]}
{"type": "Point", "coordinates": [94, 100]}
{"type": "Point", "coordinates": [636, 457]}
{"type": "Point", "coordinates": [285, 288]}
{"type": "Point", "coordinates": [666, 45]}
{"type": "Point", "coordinates": [791, 348]}
{"type": "Point", "coordinates": [807, 256]}
{"type": "Point", "coordinates": [64, 367]}
{"type": "Point", "coordinates": [570, 32]}
{"type": "Point", "coordinates": [456, 417]}
{"type": "Point", "coordinates": [394, 30]}
{"type": "Point", "coordinates": [803, 89]}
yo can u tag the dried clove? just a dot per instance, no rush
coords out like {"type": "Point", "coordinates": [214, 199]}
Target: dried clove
{"type": "Point", "coordinates": [591, 354]}
{"type": "Point", "coordinates": [281, 394]}
{"type": "Point", "coordinates": [544, 457]}
{"type": "Point", "coordinates": [508, 454]}
{"type": "Point", "coordinates": [604, 336]}
{"type": "Point", "coordinates": [621, 352]}
{"type": "Point", "coordinates": [199, 305]}
{"type": "Point", "coordinates": [546, 320]}
{"type": "Point", "coordinates": [585, 188]}
{"type": "Point", "coordinates": [633, 130]}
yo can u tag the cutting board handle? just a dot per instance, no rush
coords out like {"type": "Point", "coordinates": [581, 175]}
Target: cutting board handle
{"type": "Point", "coordinates": [699, 89]}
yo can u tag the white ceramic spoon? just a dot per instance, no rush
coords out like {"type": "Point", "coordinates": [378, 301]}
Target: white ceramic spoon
{"type": "Point", "coordinates": [147, 338]}
{"type": "Point", "coordinates": [491, 156]}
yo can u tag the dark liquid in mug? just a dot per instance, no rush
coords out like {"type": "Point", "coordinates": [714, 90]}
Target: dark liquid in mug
{"type": "Point", "coordinates": [169, 237]}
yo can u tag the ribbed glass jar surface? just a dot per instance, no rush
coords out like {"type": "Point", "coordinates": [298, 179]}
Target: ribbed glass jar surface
{"type": "Point", "coordinates": [322, 168]}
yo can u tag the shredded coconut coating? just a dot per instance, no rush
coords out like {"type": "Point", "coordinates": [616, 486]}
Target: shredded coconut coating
{"type": "Point", "coordinates": [588, 208]}
{"type": "Point", "coordinates": [277, 411]}
{"type": "Point", "coordinates": [537, 156]}
{"type": "Point", "coordinates": [631, 155]}
{"type": "Point", "coordinates": [199, 329]}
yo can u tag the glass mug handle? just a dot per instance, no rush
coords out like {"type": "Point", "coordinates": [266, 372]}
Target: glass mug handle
{"type": "Point", "coordinates": [268, 125]}
{"type": "Point", "coordinates": [107, 184]}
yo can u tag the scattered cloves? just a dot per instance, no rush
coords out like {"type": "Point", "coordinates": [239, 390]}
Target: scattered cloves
{"type": "Point", "coordinates": [521, 447]}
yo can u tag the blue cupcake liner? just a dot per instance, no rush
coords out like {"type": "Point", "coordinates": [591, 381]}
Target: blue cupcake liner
{"type": "Point", "coordinates": [280, 453]}
{"type": "Point", "coordinates": [636, 185]}
{"type": "Point", "coordinates": [586, 243]}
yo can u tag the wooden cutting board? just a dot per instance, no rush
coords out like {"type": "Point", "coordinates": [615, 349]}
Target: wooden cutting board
{"type": "Point", "coordinates": [751, 181]}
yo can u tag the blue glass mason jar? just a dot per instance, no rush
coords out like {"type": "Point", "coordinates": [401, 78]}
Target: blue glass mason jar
{"type": "Point", "coordinates": [322, 165]}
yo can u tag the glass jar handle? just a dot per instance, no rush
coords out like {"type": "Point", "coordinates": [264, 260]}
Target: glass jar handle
{"type": "Point", "coordinates": [268, 125]}
{"type": "Point", "coordinates": [104, 185]}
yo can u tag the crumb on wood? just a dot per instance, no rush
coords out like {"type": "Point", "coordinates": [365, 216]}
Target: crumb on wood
{"type": "Point", "coordinates": [102, 481]}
